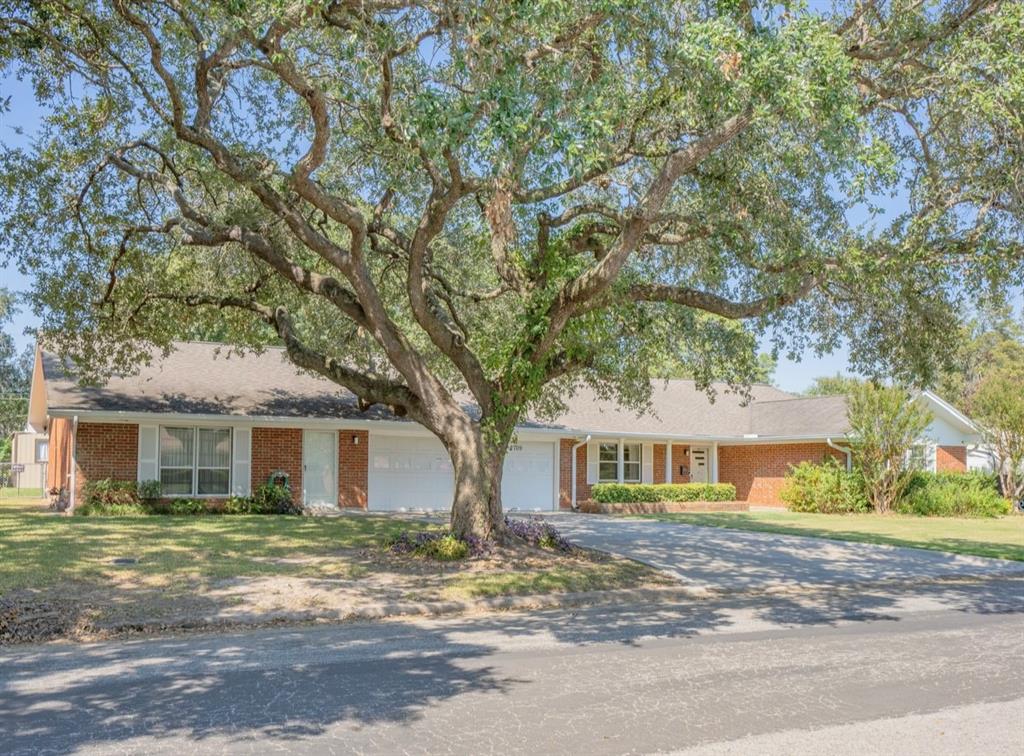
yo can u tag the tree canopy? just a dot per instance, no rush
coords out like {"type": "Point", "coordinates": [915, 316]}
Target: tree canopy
{"type": "Point", "coordinates": [428, 200]}
{"type": "Point", "coordinates": [831, 385]}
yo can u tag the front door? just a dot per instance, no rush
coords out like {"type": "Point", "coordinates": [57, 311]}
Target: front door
{"type": "Point", "coordinates": [699, 465]}
{"type": "Point", "coordinates": [319, 468]}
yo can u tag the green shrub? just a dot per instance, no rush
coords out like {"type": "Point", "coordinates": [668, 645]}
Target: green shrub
{"type": "Point", "coordinates": [148, 490]}
{"type": "Point", "coordinates": [116, 498]}
{"type": "Point", "coordinates": [239, 505]}
{"type": "Point", "coordinates": [826, 488]}
{"type": "Point", "coordinates": [630, 493]}
{"type": "Point", "coordinates": [181, 507]}
{"type": "Point", "coordinates": [445, 549]}
{"type": "Point", "coordinates": [107, 492]}
{"type": "Point", "coordinates": [274, 499]}
{"type": "Point", "coordinates": [97, 508]}
{"type": "Point", "coordinates": [187, 507]}
{"type": "Point", "coordinates": [953, 495]}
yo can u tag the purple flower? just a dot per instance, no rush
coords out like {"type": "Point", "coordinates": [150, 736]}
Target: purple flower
{"type": "Point", "coordinates": [537, 532]}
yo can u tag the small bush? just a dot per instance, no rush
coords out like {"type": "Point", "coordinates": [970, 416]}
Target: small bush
{"type": "Point", "coordinates": [537, 532]}
{"type": "Point", "coordinates": [274, 499]}
{"type": "Point", "coordinates": [107, 492]}
{"type": "Point", "coordinates": [148, 490]}
{"type": "Point", "coordinates": [188, 507]}
{"type": "Point", "coordinates": [440, 545]}
{"type": "Point", "coordinates": [629, 493]}
{"type": "Point", "coordinates": [825, 488]}
{"type": "Point", "coordinates": [96, 508]}
{"type": "Point", "coordinates": [239, 505]}
{"type": "Point", "coordinates": [181, 507]}
{"type": "Point", "coordinates": [447, 548]}
{"type": "Point", "coordinates": [953, 495]}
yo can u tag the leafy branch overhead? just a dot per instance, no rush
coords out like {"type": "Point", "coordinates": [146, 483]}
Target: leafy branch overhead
{"type": "Point", "coordinates": [429, 201]}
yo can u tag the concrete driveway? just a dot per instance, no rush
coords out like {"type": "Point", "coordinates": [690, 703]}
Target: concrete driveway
{"type": "Point", "coordinates": [734, 560]}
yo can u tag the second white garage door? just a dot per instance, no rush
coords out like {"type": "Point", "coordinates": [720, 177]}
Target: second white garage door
{"type": "Point", "coordinates": [412, 472]}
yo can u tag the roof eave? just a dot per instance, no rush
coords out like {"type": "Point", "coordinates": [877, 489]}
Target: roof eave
{"type": "Point", "coordinates": [118, 416]}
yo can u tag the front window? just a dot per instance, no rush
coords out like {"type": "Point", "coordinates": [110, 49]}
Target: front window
{"type": "Point", "coordinates": [919, 457]}
{"type": "Point", "coordinates": [608, 463]}
{"type": "Point", "coordinates": [42, 450]}
{"type": "Point", "coordinates": [195, 461]}
{"type": "Point", "coordinates": [631, 458]}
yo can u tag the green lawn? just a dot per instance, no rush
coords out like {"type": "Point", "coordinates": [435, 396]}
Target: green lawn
{"type": "Point", "coordinates": [38, 549]}
{"type": "Point", "coordinates": [997, 537]}
{"type": "Point", "coordinates": [20, 493]}
{"type": "Point", "coordinates": [230, 566]}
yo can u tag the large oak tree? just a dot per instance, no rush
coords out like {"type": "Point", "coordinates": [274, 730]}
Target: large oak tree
{"type": "Point", "coordinates": [463, 210]}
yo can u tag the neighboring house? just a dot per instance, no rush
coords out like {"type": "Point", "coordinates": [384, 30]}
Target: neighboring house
{"type": "Point", "coordinates": [208, 423]}
{"type": "Point", "coordinates": [29, 455]}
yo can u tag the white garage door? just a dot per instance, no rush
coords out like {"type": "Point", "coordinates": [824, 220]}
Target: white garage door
{"type": "Point", "coordinates": [416, 473]}
{"type": "Point", "coordinates": [528, 481]}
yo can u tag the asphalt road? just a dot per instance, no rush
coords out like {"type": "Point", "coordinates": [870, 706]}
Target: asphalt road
{"type": "Point", "coordinates": [934, 670]}
{"type": "Point", "coordinates": [739, 561]}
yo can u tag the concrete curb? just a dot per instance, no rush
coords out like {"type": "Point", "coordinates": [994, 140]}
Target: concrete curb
{"type": "Point", "coordinates": [668, 594]}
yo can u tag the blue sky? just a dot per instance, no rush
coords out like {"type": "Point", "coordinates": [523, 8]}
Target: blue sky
{"type": "Point", "coordinates": [18, 124]}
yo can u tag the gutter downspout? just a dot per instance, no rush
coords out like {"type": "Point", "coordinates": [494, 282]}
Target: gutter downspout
{"type": "Point", "coordinates": [844, 450]}
{"type": "Point", "coordinates": [572, 501]}
{"type": "Point", "coordinates": [74, 464]}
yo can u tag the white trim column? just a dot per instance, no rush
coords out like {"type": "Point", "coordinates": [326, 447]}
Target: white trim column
{"type": "Point", "coordinates": [668, 461]}
{"type": "Point", "coordinates": [714, 462]}
{"type": "Point", "coordinates": [622, 460]}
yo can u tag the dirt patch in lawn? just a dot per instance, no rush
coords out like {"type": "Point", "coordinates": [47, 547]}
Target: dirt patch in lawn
{"type": "Point", "coordinates": [322, 588]}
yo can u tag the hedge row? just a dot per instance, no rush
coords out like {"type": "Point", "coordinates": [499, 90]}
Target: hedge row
{"type": "Point", "coordinates": [974, 494]}
{"type": "Point", "coordinates": [117, 498]}
{"type": "Point", "coordinates": [826, 488]}
{"type": "Point", "coordinates": [829, 489]}
{"type": "Point", "coordinates": [630, 493]}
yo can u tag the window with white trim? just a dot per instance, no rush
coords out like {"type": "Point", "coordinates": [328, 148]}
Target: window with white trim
{"type": "Point", "coordinates": [195, 461]}
{"type": "Point", "coordinates": [608, 462]}
{"type": "Point", "coordinates": [921, 457]}
{"type": "Point", "coordinates": [632, 456]}
{"type": "Point", "coordinates": [42, 450]}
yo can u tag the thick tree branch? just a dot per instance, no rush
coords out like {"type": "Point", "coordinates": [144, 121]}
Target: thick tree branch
{"type": "Point", "coordinates": [719, 305]}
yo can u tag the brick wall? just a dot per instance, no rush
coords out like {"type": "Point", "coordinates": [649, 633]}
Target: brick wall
{"type": "Point", "coordinates": [353, 468]}
{"type": "Point", "coordinates": [758, 470]}
{"type": "Point", "coordinates": [105, 450]}
{"type": "Point", "coordinates": [659, 463]}
{"type": "Point", "coordinates": [680, 456]}
{"type": "Point", "coordinates": [565, 473]}
{"type": "Point", "coordinates": [277, 449]}
{"type": "Point", "coordinates": [951, 459]}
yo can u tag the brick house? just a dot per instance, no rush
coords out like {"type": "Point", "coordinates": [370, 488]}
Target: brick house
{"type": "Point", "coordinates": [207, 422]}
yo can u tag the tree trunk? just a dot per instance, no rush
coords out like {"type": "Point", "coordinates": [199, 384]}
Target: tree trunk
{"type": "Point", "coordinates": [476, 508]}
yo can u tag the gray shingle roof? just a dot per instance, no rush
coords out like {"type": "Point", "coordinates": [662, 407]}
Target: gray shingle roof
{"type": "Point", "coordinates": [824, 415]}
{"type": "Point", "coordinates": [677, 407]}
{"type": "Point", "coordinates": [204, 378]}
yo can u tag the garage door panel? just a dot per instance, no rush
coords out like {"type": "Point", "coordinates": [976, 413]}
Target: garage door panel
{"type": "Point", "coordinates": [528, 478]}
{"type": "Point", "coordinates": [409, 473]}
{"type": "Point", "coordinates": [416, 473]}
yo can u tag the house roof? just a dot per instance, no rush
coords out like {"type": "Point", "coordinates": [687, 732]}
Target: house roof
{"type": "Point", "coordinates": [205, 378]}
{"type": "Point", "coordinates": [210, 379]}
{"type": "Point", "coordinates": [677, 407]}
{"type": "Point", "coordinates": [800, 416]}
